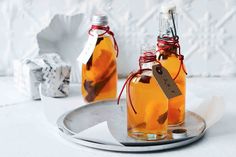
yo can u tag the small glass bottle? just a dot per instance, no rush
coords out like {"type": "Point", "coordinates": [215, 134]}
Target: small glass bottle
{"type": "Point", "coordinates": [99, 75]}
{"type": "Point", "coordinates": [147, 105]}
{"type": "Point", "coordinates": [172, 59]}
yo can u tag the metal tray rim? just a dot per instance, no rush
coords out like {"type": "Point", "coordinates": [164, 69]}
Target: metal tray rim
{"type": "Point", "coordinates": [68, 134]}
{"type": "Point", "coordinates": [132, 149]}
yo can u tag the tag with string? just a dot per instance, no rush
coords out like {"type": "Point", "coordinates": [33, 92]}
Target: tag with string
{"type": "Point", "coordinates": [88, 49]}
{"type": "Point", "coordinates": [165, 81]}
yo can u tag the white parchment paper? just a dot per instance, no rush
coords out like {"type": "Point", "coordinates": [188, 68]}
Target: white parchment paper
{"type": "Point", "coordinates": [211, 109]}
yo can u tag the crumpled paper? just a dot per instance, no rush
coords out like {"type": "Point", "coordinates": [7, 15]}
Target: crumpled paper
{"type": "Point", "coordinates": [211, 110]}
{"type": "Point", "coordinates": [99, 133]}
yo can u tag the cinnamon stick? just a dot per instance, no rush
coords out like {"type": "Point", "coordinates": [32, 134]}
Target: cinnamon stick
{"type": "Point", "coordinates": [94, 90]}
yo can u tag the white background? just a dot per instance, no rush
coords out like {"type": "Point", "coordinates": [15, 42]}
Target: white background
{"type": "Point", "coordinates": [206, 29]}
{"type": "Point", "coordinates": [207, 33]}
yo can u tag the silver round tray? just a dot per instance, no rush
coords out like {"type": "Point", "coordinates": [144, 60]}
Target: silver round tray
{"type": "Point", "coordinates": [89, 115]}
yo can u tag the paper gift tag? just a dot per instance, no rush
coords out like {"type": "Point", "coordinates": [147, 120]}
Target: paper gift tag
{"type": "Point", "coordinates": [165, 81]}
{"type": "Point", "coordinates": [88, 49]}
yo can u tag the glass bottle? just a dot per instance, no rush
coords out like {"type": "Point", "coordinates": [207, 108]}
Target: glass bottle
{"type": "Point", "coordinates": [147, 105]}
{"type": "Point", "coordinates": [99, 75]}
{"type": "Point", "coordinates": [171, 58]}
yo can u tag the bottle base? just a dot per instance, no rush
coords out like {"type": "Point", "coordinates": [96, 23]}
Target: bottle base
{"type": "Point", "coordinates": [146, 136]}
{"type": "Point", "coordinates": [177, 124]}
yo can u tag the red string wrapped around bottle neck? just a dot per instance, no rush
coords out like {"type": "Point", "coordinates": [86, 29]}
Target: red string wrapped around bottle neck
{"type": "Point", "coordinates": [171, 44]}
{"type": "Point", "coordinates": [106, 29]}
{"type": "Point", "coordinates": [146, 57]}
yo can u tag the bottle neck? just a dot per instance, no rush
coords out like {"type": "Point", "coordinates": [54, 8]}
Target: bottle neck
{"type": "Point", "coordinates": [168, 43]}
{"type": "Point", "coordinates": [168, 24]}
{"type": "Point", "coordinates": [100, 30]}
{"type": "Point", "coordinates": [104, 30]}
{"type": "Point", "coordinates": [147, 60]}
{"type": "Point", "coordinates": [167, 47]}
{"type": "Point", "coordinates": [148, 65]}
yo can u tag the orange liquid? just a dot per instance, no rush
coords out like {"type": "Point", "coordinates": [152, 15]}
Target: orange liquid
{"type": "Point", "coordinates": [151, 105]}
{"type": "Point", "coordinates": [99, 75]}
{"type": "Point", "coordinates": [176, 111]}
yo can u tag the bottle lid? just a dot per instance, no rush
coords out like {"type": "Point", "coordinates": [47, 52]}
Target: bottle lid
{"type": "Point", "coordinates": [99, 19]}
{"type": "Point", "coordinates": [148, 48]}
{"type": "Point", "coordinates": [179, 133]}
{"type": "Point", "coordinates": [166, 8]}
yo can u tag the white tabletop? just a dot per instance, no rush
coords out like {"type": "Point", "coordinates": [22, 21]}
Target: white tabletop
{"type": "Point", "coordinates": [26, 132]}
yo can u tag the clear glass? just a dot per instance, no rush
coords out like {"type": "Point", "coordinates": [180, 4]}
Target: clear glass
{"type": "Point", "coordinates": [170, 60]}
{"type": "Point", "coordinates": [166, 24]}
{"type": "Point", "coordinates": [151, 105]}
{"type": "Point", "coordinates": [99, 75]}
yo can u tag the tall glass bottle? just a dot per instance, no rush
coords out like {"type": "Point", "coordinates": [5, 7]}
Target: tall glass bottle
{"type": "Point", "coordinates": [99, 75]}
{"type": "Point", "coordinates": [147, 105]}
{"type": "Point", "coordinates": [172, 59]}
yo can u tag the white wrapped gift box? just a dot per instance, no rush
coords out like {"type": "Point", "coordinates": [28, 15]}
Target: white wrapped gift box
{"type": "Point", "coordinates": [48, 70]}
{"type": "Point", "coordinates": [27, 76]}
{"type": "Point", "coordinates": [56, 76]}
